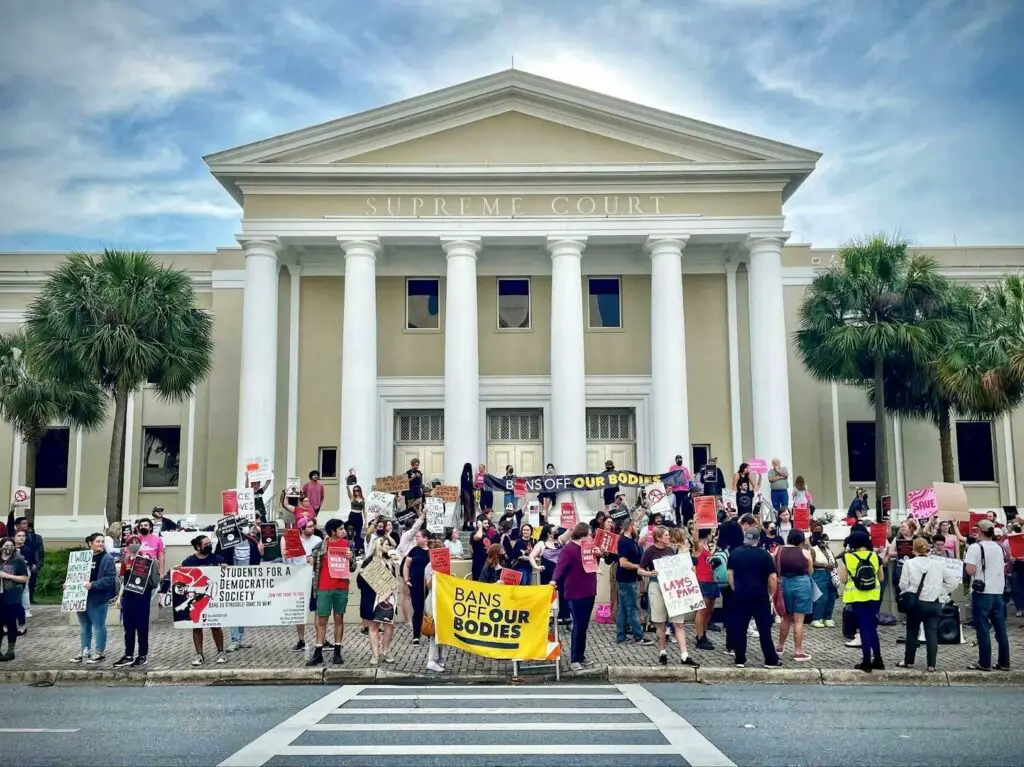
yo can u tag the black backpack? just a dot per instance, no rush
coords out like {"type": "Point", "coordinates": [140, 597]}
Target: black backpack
{"type": "Point", "coordinates": [864, 576]}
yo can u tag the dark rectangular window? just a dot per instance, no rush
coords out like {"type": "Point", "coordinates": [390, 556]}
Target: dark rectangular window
{"type": "Point", "coordinates": [605, 302]}
{"type": "Point", "coordinates": [422, 304]}
{"type": "Point", "coordinates": [860, 450]}
{"type": "Point", "coordinates": [701, 455]}
{"type": "Point", "coordinates": [514, 303]}
{"type": "Point", "coordinates": [52, 459]}
{"type": "Point", "coordinates": [327, 463]}
{"type": "Point", "coordinates": [975, 453]}
{"type": "Point", "coordinates": [161, 450]}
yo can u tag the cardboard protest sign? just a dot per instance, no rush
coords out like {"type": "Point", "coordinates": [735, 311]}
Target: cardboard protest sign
{"type": "Point", "coordinates": [394, 483]}
{"type": "Point", "coordinates": [435, 515]}
{"type": "Point", "coordinates": [268, 533]}
{"type": "Point", "coordinates": [380, 504]}
{"type": "Point", "coordinates": [802, 518]}
{"type": "Point", "coordinates": [705, 511]}
{"type": "Point", "coordinates": [380, 578]}
{"type": "Point", "coordinates": [658, 500]}
{"type": "Point", "coordinates": [228, 503]}
{"type": "Point", "coordinates": [75, 593]}
{"type": "Point", "coordinates": [589, 554]}
{"type": "Point", "coordinates": [879, 534]}
{"type": "Point", "coordinates": [292, 544]}
{"type": "Point", "coordinates": [951, 500]}
{"type": "Point", "coordinates": [441, 560]}
{"type": "Point", "coordinates": [338, 559]}
{"type": "Point", "coordinates": [921, 503]}
{"type": "Point", "coordinates": [20, 497]}
{"type": "Point", "coordinates": [447, 493]}
{"type": "Point", "coordinates": [568, 518]}
{"type": "Point", "coordinates": [609, 542]}
{"type": "Point", "coordinates": [254, 595]}
{"type": "Point", "coordinates": [511, 577]}
{"type": "Point", "coordinates": [137, 578]}
{"type": "Point", "coordinates": [679, 585]}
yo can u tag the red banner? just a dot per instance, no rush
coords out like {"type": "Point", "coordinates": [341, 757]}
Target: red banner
{"type": "Point", "coordinates": [705, 509]}
{"type": "Point", "coordinates": [441, 560]}
{"type": "Point", "coordinates": [609, 542]}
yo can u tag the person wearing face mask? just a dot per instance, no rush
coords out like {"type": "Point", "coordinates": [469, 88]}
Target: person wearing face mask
{"type": "Point", "coordinates": [101, 586]}
{"type": "Point", "coordinates": [204, 557]}
{"type": "Point", "coordinates": [248, 552]}
{"type": "Point", "coordinates": [135, 609]}
{"type": "Point", "coordinates": [152, 545]}
{"type": "Point", "coordinates": [13, 579]}
{"type": "Point", "coordinates": [681, 500]}
{"type": "Point", "coordinates": [310, 540]}
{"type": "Point", "coordinates": [510, 496]}
{"type": "Point", "coordinates": [161, 524]}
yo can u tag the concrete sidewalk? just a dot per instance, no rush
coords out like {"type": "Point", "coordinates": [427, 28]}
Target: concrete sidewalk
{"type": "Point", "coordinates": [44, 655]}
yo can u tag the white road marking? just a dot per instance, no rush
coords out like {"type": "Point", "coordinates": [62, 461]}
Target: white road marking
{"type": "Point", "coordinates": [508, 688]}
{"type": "Point", "coordinates": [495, 696]}
{"type": "Point", "coordinates": [477, 726]}
{"type": "Point", "coordinates": [687, 742]}
{"type": "Point", "coordinates": [457, 749]}
{"type": "Point", "coordinates": [31, 730]}
{"type": "Point", "coordinates": [516, 710]}
{"type": "Point", "coordinates": [269, 744]}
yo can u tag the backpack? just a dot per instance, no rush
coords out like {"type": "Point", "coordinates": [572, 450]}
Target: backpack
{"type": "Point", "coordinates": [719, 562]}
{"type": "Point", "coordinates": [864, 576]}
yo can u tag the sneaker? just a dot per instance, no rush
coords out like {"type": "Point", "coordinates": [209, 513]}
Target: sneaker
{"type": "Point", "coordinates": [830, 624]}
{"type": "Point", "coordinates": [779, 651]}
{"type": "Point", "coordinates": [689, 661]}
{"type": "Point", "coordinates": [317, 658]}
{"type": "Point", "coordinates": [231, 647]}
{"type": "Point", "coordinates": [198, 660]}
{"type": "Point", "coordinates": [435, 667]}
{"type": "Point", "coordinates": [7, 656]}
{"type": "Point", "coordinates": [82, 656]}
{"type": "Point", "coordinates": [300, 646]}
{"type": "Point", "coordinates": [740, 665]}
{"type": "Point", "coordinates": [28, 613]}
{"type": "Point", "coordinates": [776, 664]}
{"type": "Point", "coordinates": [663, 658]}
{"type": "Point", "coordinates": [703, 643]}
{"type": "Point", "coordinates": [221, 658]}
{"type": "Point", "coordinates": [853, 643]}
{"type": "Point", "coordinates": [139, 662]}
{"type": "Point", "coordinates": [801, 657]}
{"type": "Point", "coordinates": [416, 642]}
{"type": "Point", "coordinates": [336, 658]}
{"type": "Point", "coordinates": [645, 642]}
{"type": "Point", "coordinates": [729, 652]}
{"type": "Point", "coordinates": [999, 667]}
{"type": "Point", "coordinates": [389, 658]}
{"type": "Point", "coordinates": [575, 666]}
{"type": "Point", "coordinates": [125, 660]}
{"type": "Point", "coordinates": [95, 658]}
{"type": "Point", "coordinates": [817, 624]}
{"type": "Point", "coordinates": [364, 630]}
{"type": "Point", "coordinates": [328, 644]}
{"type": "Point", "coordinates": [243, 645]}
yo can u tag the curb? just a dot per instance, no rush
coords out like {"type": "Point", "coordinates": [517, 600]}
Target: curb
{"type": "Point", "coordinates": [610, 674]}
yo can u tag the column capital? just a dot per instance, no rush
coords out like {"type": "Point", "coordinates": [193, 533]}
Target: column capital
{"type": "Point", "coordinates": [259, 246]}
{"type": "Point", "coordinates": [767, 241]}
{"type": "Point", "coordinates": [460, 246]}
{"type": "Point", "coordinates": [358, 245]}
{"type": "Point", "coordinates": [294, 270]}
{"type": "Point", "coordinates": [668, 243]}
{"type": "Point", "coordinates": [566, 246]}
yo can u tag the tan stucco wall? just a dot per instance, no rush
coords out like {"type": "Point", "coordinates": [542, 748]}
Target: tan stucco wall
{"type": "Point", "coordinates": [402, 352]}
{"type": "Point", "coordinates": [625, 350]}
{"type": "Point", "coordinates": [1009, 258]}
{"type": "Point", "coordinates": [512, 137]}
{"type": "Point", "coordinates": [707, 361]}
{"type": "Point", "coordinates": [222, 423]}
{"type": "Point", "coordinates": [514, 352]}
{"type": "Point", "coordinates": [437, 201]}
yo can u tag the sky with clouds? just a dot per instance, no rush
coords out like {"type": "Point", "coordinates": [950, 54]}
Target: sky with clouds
{"type": "Point", "coordinates": [107, 106]}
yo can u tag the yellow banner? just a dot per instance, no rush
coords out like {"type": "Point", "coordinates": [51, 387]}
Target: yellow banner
{"type": "Point", "coordinates": [489, 619]}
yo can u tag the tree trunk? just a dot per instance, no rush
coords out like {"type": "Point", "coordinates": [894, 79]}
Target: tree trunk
{"type": "Point", "coordinates": [31, 458]}
{"type": "Point", "coordinates": [114, 486]}
{"type": "Point", "coordinates": [881, 441]}
{"type": "Point", "coordinates": [946, 446]}
{"type": "Point", "coordinates": [120, 476]}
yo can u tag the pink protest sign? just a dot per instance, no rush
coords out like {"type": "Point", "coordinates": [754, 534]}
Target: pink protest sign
{"type": "Point", "coordinates": [922, 503]}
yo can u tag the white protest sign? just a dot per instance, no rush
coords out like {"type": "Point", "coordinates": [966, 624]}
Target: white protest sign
{"type": "Point", "coordinates": [246, 503]}
{"type": "Point", "coordinates": [658, 501]}
{"type": "Point", "coordinates": [380, 504]}
{"type": "Point", "coordinates": [75, 593]}
{"type": "Point", "coordinates": [435, 515]}
{"type": "Point", "coordinates": [679, 586]}
{"type": "Point", "coordinates": [253, 595]}
{"type": "Point", "coordinates": [292, 486]}
{"type": "Point", "coordinates": [20, 497]}
{"type": "Point", "coordinates": [729, 499]}
{"type": "Point", "coordinates": [258, 471]}
{"type": "Point", "coordinates": [955, 567]}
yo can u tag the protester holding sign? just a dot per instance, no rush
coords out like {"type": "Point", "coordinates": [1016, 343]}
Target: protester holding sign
{"type": "Point", "coordinates": [711, 591]}
{"type": "Point", "coordinates": [927, 579]}
{"type": "Point", "coordinates": [517, 550]}
{"type": "Point", "coordinates": [309, 540]}
{"type": "Point", "coordinates": [331, 565]}
{"type": "Point", "coordinates": [376, 578]}
{"type": "Point", "coordinates": [358, 506]}
{"type": "Point", "coordinates": [204, 557]}
{"type": "Point", "coordinates": [134, 601]}
{"type": "Point", "coordinates": [627, 617]}
{"type": "Point", "coordinates": [579, 580]}
{"type": "Point", "coordinates": [101, 588]}
{"type": "Point", "coordinates": [745, 487]}
{"type": "Point", "coordinates": [152, 545]}
{"type": "Point", "coordinates": [660, 548]}
{"type": "Point", "coordinates": [248, 552]}
{"type": "Point", "coordinates": [13, 579]}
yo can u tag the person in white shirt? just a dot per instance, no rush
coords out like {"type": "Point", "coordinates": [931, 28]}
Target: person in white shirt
{"type": "Point", "coordinates": [985, 564]}
{"type": "Point", "coordinates": [454, 544]}
{"type": "Point", "coordinates": [930, 579]}
{"type": "Point", "coordinates": [310, 540]}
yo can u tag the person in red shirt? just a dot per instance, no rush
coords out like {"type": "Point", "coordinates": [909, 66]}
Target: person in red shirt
{"type": "Point", "coordinates": [708, 588]}
{"type": "Point", "coordinates": [331, 565]}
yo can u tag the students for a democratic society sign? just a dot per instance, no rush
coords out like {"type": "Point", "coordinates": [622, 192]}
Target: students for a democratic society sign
{"type": "Point", "coordinates": [679, 586]}
{"type": "Point", "coordinates": [75, 593]}
{"type": "Point", "coordinates": [492, 620]}
{"type": "Point", "coordinates": [256, 595]}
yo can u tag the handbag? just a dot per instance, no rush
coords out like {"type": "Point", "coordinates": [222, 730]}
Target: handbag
{"type": "Point", "coordinates": [427, 626]}
{"type": "Point", "coordinates": [909, 601]}
{"type": "Point", "coordinates": [778, 600]}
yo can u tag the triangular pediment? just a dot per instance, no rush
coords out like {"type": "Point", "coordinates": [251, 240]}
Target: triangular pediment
{"type": "Point", "coordinates": [500, 119]}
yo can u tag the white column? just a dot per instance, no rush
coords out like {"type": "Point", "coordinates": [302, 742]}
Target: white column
{"type": "Point", "coordinates": [669, 410]}
{"type": "Point", "coordinates": [190, 455]}
{"type": "Point", "coordinates": [358, 443]}
{"type": "Point", "coordinates": [568, 374]}
{"type": "Point", "coordinates": [735, 403]}
{"type": "Point", "coordinates": [461, 358]}
{"type": "Point", "coordinates": [16, 463]}
{"type": "Point", "coordinates": [769, 349]}
{"type": "Point", "coordinates": [1011, 476]}
{"type": "Point", "coordinates": [900, 501]}
{"type": "Point", "coordinates": [837, 451]}
{"type": "Point", "coordinates": [257, 389]}
{"type": "Point", "coordinates": [129, 455]}
{"type": "Point", "coordinates": [76, 496]}
{"type": "Point", "coordinates": [295, 286]}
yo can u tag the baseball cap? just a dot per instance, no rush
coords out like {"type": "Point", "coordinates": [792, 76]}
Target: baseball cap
{"type": "Point", "coordinates": [985, 525]}
{"type": "Point", "coordinates": [751, 537]}
{"type": "Point", "coordinates": [509, 507]}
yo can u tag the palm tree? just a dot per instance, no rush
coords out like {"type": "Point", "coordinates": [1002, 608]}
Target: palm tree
{"type": "Point", "coordinates": [31, 403]}
{"type": "Point", "coordinates": [124, 319]}
{"type": "Point", "coordinates": [865, 313]}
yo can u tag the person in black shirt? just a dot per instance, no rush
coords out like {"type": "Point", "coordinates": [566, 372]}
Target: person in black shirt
{"type": "Point", "coordinates": [480, 542]}
{"type": "Point", "coordinates": [730, 539]}
{"type": "Point", "coordinates": [753, 580]}
{"type": "Point", "coordinates": [204, 557]}
{"type": "Point", "coordinates": [415, 476]}
{"type": "Point", "coordinates": [626, 574]}
{"type": "Point", "coordinates": [609, 493]}
{"type": "Point", "coordinates": [466, 490]}
{"type": "Point", "coordinates": [711, 478]}
{"type": "Point", "coordinates": [416, 562]}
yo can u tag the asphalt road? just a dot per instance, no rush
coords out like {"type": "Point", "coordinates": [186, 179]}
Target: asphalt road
{"type": "Point", "coordinates": [649, 725]}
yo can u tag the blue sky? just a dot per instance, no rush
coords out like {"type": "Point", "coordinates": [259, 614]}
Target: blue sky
{"type": "Point", "coordinates": [108, 106]}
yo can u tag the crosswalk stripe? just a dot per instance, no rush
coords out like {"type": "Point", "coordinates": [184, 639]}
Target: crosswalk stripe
{"type": "Point", "coordinates": [385, 711]}
{"type": "Point", "coordinates": [457, 749]}
{"type": "Point", "coordinates": [527, 688]}
{"type": "Point", "coordinates": [614, 695]}
{"type": "Point", "coordinates": [478, 726]}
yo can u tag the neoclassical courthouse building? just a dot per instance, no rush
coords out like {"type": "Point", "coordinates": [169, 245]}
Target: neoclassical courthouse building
{"type": "Point", "coordinates": [508, 271]}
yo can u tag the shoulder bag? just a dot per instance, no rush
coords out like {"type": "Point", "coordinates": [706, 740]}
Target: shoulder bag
{"type": "Point", "coordinates": [909, 601]}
